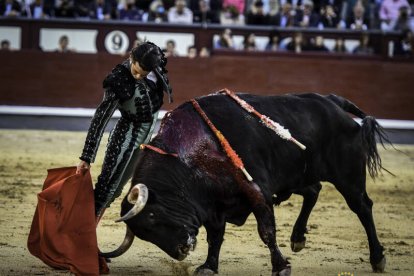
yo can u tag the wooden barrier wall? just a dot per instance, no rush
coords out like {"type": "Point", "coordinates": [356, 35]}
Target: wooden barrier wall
{"type": "Point", "coordinates": [381, 88]}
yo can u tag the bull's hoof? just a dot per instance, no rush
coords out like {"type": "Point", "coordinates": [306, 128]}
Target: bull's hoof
{"type": "Point", "coordinates": [379, 267]}
{"type": "Point", "coordinates": [284, 272]}
{"type": "Point", "coordinates": [204, 272]}
{"type": "Point", "coordinates": [297, 246]}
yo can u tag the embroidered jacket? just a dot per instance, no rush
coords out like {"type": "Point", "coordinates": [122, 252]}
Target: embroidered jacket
{"type": "Point", "coordinates": [137, 100]}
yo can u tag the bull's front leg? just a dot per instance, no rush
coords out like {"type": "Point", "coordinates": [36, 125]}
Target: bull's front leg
{"type": "Point", "coordinates": [215, 234]}
{"type": "Point", "coordinates": [310, 196]}
{"type": "Point", "coordinates": [267, 230]}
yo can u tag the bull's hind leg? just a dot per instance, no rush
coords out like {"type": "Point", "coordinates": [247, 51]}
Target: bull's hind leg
{"type": "Point", "coordinates": [267, 230]}
{"type": "Point", "coordinates": [310, 196]}
{"type": "Point", "coordinates": [359, 202]}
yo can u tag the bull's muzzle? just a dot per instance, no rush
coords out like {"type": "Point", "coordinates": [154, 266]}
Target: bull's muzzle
{"type": "Point", "coordinates": [184, 249]}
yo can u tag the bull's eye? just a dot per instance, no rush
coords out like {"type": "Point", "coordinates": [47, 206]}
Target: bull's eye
{"type": "Point", "coordinates": [151, 219]}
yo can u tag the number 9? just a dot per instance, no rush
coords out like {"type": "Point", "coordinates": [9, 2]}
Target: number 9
{"type": "Point", "coordinates": [117, 42]}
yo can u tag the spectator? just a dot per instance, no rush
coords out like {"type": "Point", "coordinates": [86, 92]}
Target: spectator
{"type": "Point", "coordinates": [204, 52]}
{"type": "Point", "coordinates": [192, 52]}
{"type": "Point", "coordinates": [5, 45]}
{"type": "Point", "coordinates": [65, 8]}
{"type": "Point", "coordinates": [298, 44]}
{"type": "Point", "coordinates": [82, 8]}
{"type": "Point", "coordinates": [329, 18]}
{"type": "Point", "coordinates": [49, 7]}
{"type": "Point", "coordinates": [170, 50]}
{"type": "Point", "coordinates": [349, 5]}
{"type": "Point", "coordinates": [231, 16]}
{"type": "Point", "coordinates": [238, 5]}
{"type": "Point", "coordinates": [337, 6]}
{"type": "Point", "coordinates": [339, 46]}
{"type": "Point", "coordinates": [143, 5]}
{"type": "Point", "coordinates": [157, 12]}
{"type": "Point", "coordinates": [24, 8]}
{"type": "Point", "coordinates": [180, 13]}
{"type": "Point", "coordinates": [357, 20]}
{"type": "Point", "coordinates": [130, 12]}
{"type": "Point", "coordinates": [404, 47]}
{"type": "Point", "coordinates": [11, 8]}
{"type": "Point", "coordinates": [270, 7]}
{"type": "Point", "coordinates": [215, 6]}
{"type": "Point", "coordinates": [249, 42]}
{"type": "Point", "coordinates": [203, 14]}
{"type": "Point", "coordinates": [295, 3]}
{"type": "Point", "coordinates": [306, 17]}
{"type": "Point", "coordinates": [364, 47]}
{"type": "Point", "coordinates": [103, 10]}
{"type": "Point", "coordinates": [63, 46]}
{"type": "Point", "coordinates": [318, 45]}
{"type": "Point", "coordinates": [285, 18]}
{"type": "Point", "coordinates": [225, 40]}
{"type": "Point", "coordinates": [403, 20]}
{"type": "Point", "coordinates": [390, 11]}
{"type": "Point", "coordinates": [38, 9]}
{"type": "Point", "coordinates": [273, 43]}
{"type": "Point", "coordinates": [256, 15]}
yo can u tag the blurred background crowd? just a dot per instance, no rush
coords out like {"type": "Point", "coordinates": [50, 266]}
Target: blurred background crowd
{"type": "Point", "coordinates": [362, 15]}
{"type": "Point", "coordinates": [343, 14]}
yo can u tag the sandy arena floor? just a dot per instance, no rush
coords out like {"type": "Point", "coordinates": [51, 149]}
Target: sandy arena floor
{"type": "Point", "coordinates": [336, 240]}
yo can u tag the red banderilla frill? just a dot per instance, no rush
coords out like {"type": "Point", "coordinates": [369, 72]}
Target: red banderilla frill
{"type": "Point", "coordinates": [235, 159]}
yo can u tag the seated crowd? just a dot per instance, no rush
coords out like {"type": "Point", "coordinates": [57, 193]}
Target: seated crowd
{"type": "Point", "coordinates": [350, 14]}
{"type": "Point", "coordinates": [387, 15]}
{"type": "Point", "coordinates": [299, 43]}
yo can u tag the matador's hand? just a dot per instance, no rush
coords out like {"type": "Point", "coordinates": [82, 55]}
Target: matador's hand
{"type": "Point", "coordinates": [83, 167]}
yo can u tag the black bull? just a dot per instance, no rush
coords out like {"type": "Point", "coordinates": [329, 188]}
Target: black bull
{"type": "Point", "coordinates": [201, 187]}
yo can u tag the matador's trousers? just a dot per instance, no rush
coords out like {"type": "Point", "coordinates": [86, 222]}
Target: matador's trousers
{"type": "Point", "coordinates": [120, 160]}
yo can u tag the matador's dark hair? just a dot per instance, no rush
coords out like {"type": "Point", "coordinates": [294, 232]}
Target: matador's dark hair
{"type": "Point", "coordinates": [151, 58]}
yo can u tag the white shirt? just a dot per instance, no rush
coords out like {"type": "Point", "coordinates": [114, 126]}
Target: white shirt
{"type": "Point", "coordinates": [152, 77]}
{"type": "Point", "coordinates": [186, 17]}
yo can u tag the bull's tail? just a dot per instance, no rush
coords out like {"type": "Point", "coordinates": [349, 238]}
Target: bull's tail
{"type": "Point", "coordinates": [347, 105]}
{"type": "Point", "coordinates": [371, 133]}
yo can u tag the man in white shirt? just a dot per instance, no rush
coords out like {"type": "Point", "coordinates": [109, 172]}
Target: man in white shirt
{"type": "Point", "coordinates": [180, 13]}
{"type": "Point", "coordinates": [389, 13]}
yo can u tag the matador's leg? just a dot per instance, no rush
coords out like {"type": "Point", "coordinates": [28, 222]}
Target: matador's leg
{"type": "Point", "coordinates": [144, 136]}
{"type": "Point", "coordinates": [119, 161]}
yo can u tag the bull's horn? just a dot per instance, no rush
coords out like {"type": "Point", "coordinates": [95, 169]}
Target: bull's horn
{"type": "Point", "coordinates": [126, 244]}
{"type": "Point", "coordinates": [137, 196]}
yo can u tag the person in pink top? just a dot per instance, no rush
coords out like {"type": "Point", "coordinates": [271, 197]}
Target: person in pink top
{"type": "Point", "coordinates": [389, 12]}
{"type": "Point", "coordinates": [238, 4]}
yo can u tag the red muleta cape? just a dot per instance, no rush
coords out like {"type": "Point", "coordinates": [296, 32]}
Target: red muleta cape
{"type": "Point", "coordinates": [63, 231]}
